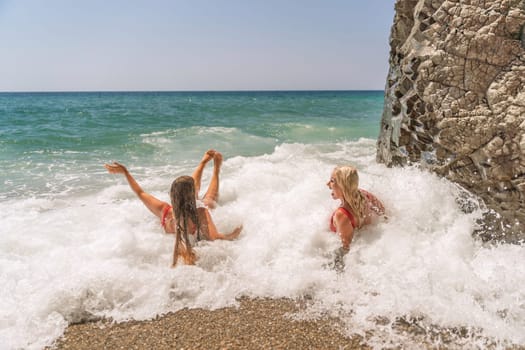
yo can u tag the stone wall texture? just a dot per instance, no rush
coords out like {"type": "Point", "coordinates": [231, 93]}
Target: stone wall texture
{"type": "Point", "coordinates": [455, 101]}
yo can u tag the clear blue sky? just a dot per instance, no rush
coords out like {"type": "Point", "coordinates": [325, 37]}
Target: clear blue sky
{"type": "Point", "coordinates": [94, 45]}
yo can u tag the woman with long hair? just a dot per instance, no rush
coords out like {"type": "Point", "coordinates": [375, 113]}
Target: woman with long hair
{"type": "Point", "coordinates": [357, 208]}
{"type": "Point", "coordinates": [186, 219]}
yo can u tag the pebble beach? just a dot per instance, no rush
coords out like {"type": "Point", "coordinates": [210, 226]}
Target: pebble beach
{"type": "Point", "coordinates": [255, 324]}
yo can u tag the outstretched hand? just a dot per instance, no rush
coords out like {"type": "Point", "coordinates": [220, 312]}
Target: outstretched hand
{"type": "Point", "coordinates": [234, 234]}
{"type": "Point", "coordinates": [116, 168]}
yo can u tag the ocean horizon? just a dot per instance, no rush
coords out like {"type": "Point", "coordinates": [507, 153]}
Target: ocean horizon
{"type": "Point", "coordinates": [256, 91]}
{"type": "Point", "coordinates": [77, 245]}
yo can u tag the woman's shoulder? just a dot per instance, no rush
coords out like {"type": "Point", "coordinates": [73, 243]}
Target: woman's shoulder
{"type": "Point", "coordinates": [342, 213]}
{"type": "Point", "coordinates": [339, 213]}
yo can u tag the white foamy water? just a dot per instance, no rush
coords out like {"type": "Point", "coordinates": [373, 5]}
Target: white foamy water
{"type": "Point", "coordinates": [75, 257]}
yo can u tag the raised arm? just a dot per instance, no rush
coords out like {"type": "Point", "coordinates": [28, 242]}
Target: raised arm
{"type": "Point", "coordinates": [155, 205]}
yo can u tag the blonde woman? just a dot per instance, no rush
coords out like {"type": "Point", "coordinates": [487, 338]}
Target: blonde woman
{"type": "Point", "coordinates": [186, 219]}
{"type": "Point", "coordinates": [357, 207]}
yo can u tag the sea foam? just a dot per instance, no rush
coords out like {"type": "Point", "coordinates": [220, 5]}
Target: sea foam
{"type": "Point", "coordinates": [100, 253]}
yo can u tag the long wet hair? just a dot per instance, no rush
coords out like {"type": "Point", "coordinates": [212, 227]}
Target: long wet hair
{"type": "Point", "coordinates": [347, 178]}
{"type": "Point", "coordinates": [182, 196]}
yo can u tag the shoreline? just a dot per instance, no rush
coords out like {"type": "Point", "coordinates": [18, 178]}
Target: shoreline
{"type": "Point", "coordinates": [254, 324]}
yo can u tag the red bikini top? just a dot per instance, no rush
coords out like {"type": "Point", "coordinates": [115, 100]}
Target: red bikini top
{"type": "Point", "coordinates": [165, 212]}
{"type": "Point", "coordinates": [347, 213]}
{"type": "Point", "coordinates": [164, 215]}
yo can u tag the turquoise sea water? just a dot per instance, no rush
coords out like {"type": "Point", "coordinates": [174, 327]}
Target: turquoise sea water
{"type": "Point", "coordinates": [43, 135]}
{"type": "Point", "coordinates": [76, 244]}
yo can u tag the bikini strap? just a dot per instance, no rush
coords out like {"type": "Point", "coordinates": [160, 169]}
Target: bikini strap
{"type": "Point", "coordinates": [349, 215]}
{"type": "Point", "coordinates": [165, 212]}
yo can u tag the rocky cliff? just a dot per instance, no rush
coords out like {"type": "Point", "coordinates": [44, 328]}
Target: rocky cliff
{"type": "Point", "coordinates": [455, 101]}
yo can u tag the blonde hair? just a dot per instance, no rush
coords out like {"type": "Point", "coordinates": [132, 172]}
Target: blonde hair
{"type": "Point", "coordinates": [347, 178]}
{"type": "Point", "coordinates": [182, 195]}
